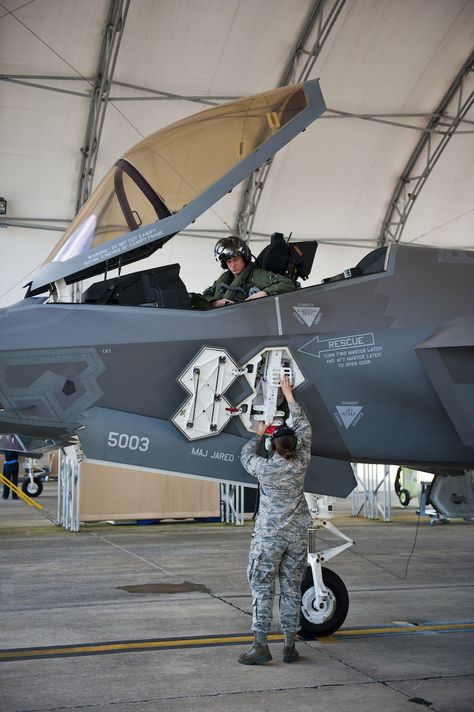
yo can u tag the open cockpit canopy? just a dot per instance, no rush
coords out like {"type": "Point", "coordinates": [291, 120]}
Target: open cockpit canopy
{"type": "Point", "coordinates": [167, 180]}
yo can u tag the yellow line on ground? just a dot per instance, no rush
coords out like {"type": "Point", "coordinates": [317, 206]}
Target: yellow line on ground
{"type": "Point", "coordinates": [404, 629]}
{"type": "Point", "coordinates": [137, 645]}
{"type": "Point", "coordinates": [209, 641]}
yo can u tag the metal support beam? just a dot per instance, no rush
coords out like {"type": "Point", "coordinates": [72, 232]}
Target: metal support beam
{"type": "Point", "coordinates": [159, 95]}
{"type": "Point", "coordinates": [440, 128]}
{"type": "Point", "coordinates": [151, 94]}
{"type": "Point", "coordinates": [37, 223]}
{"type": "Point", "coordinates": [108, 56]}
{"type": "Point", "coordinates": [148, 93]}
{"type": "Point", "coordinates": [263, 237]}
{"type": "Point", "coordinates": [21, 79]}
{"type": "Point", "coordinates": [298, 69]}
{"type": "Point", "coordinates": [446, 119]}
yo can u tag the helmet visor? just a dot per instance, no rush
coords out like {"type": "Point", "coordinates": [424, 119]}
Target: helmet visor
{"type": "Point", "coordinates": [226, 252]}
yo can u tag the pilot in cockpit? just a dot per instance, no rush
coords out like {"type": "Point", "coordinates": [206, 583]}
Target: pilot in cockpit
{"type": "Point", "coordinates": [242, 280]}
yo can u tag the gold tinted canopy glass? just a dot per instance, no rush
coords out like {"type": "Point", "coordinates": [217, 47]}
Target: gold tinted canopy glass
{"type": "Point", "coordinates": [172, 167]}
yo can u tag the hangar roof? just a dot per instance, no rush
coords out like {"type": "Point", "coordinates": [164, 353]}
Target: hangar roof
{"type": "Point", "coordinates": [391, 159]}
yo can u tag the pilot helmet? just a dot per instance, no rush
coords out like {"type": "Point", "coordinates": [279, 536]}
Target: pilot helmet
{"type": "Point", "coordinates": [228, 247]}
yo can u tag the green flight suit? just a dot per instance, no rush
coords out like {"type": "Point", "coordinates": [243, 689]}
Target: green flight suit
{"type": "Point", "coordinates": [250, 280]}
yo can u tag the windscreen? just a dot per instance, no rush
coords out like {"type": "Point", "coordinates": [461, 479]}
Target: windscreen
{"type": "Point", "coordinates": [171, 168]}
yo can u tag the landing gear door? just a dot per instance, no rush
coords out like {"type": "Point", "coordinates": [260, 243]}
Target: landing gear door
{"type": "Point", "coordinates": [207, 377]}
{"type": "Point", "coordinates": [263, 373]}
{"type": "Point", "coordinates": [206, 411]}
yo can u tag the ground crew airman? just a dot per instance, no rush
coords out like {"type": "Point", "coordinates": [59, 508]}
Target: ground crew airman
{"type": "Point", "coordinates": [279, 541]}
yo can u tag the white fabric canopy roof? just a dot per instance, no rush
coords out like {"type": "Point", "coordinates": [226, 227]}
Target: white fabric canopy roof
{"type": "Point", "coordinates": [334, 182]}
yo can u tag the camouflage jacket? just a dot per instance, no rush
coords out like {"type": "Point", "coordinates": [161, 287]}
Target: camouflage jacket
{"type": "Point", "coordinates": [250, 280]}
{"type": "Point", "coordinates": [283, 507]}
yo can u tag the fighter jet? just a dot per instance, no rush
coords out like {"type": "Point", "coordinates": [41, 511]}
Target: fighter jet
{"type": "Point", "coordinates": [381, 355]}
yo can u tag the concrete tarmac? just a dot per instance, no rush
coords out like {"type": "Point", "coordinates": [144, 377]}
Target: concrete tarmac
{"type": "Point", "coordinates": [127, 618]}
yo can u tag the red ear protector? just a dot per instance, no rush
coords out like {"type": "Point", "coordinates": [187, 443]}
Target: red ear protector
{"type": "Point", "coordinates": [278, 433]}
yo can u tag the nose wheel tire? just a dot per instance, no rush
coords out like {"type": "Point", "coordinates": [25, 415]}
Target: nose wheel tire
{"type": "Point", "coordinates": [317, 622]}
{"type": "Point", "coordinates": [32, 489]}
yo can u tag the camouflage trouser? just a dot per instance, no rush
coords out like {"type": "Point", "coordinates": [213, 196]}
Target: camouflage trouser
{"type": "Point", "coordinates": [269, 558]}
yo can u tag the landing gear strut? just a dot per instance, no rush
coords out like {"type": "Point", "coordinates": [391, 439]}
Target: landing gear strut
{"type": "Point", "coordinates": [324, 597]}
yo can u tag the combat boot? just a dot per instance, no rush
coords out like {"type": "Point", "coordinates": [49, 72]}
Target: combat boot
{"type": "Point", "coordinates": [290, 654]}
{"type": "Point", "coordinates": [258, 654]}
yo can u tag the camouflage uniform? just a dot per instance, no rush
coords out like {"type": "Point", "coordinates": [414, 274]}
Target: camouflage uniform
{"type": "Point", "coordinates": [250, 280]}
{"type": "Point", "coordinates": [279, 540]}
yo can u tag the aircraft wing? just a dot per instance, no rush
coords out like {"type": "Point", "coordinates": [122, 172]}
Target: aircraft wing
{"type": "Point", "coordinates": [30, 446]}
{"type": "Point", "coordinates": [141, 442]}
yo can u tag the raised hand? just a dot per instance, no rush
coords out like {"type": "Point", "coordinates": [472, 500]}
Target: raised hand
{"type": "Point", "coordinates": [286, 389]}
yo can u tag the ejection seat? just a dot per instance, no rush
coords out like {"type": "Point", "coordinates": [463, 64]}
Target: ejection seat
{"type": "Point", "coordinates": [159, 287]}
{"type": "Point", "coordinates": [370, 264]}
{"type": "Point", "coordinates": [293, 260]}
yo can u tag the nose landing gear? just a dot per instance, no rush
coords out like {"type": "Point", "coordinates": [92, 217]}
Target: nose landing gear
{"type": "Point", "coordinates": [324, 596]}
{"type": "Point", "coordinates": [33, 486]}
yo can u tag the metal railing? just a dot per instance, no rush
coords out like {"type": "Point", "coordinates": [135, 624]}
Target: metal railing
{"type": "Point", "coordinates": [69, 488]}
{"type": "Point", "coordinates": [371, 497]}
{"type": "Point", "coordinates": [232, 504]}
